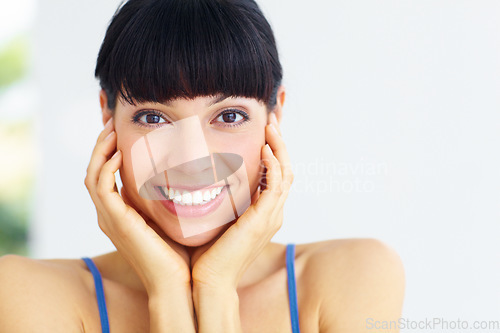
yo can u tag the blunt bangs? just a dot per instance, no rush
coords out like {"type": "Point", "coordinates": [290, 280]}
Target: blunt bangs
{"type": "Point", "coordinates": [157, 51]}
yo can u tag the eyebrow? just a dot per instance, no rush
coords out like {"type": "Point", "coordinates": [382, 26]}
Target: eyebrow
{"type": "Point", "coordinates": [217, 99]}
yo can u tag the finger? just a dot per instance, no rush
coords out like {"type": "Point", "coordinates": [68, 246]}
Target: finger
{"type": "Point", "coordinates": [103, 136]}
{"type": "Point", "coordinates": [273, 179]}
{"type": "Point", "coordinates": [255, 195]}
{"type": "Point", "coordinates": [106, 184]}
{"type": "Point", "coordinates": [125, 196]}
{"type": "Point", "coordinates": [117, 209]}
{"type": "Point", "coordinates": [99, 157]}
{"type": "Point", "coordinates": [106, 130]}
{"type": "Point", "coordinates": [278, 147]}
{"type": "Point", "coordinates": [126, 199]}
{"type": "Point", "coordinates": [116, 206]}
{"type": "Point", "coordinates": [273, 120]}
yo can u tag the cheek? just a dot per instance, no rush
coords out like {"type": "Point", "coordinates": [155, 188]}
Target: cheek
{"type": "Point", "coordinates": [249, 148]}
{"type": "Point", "coordinates": [251, 157]}
{"type": "Point", "coordinates": [125, 143]}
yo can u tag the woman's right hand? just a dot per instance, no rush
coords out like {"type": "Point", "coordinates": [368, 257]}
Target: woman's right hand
{"type": "Point", "coordinates": [160, 263]}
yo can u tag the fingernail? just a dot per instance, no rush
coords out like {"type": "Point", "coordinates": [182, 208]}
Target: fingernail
{"type": "Point", "coordinates": [268, 148]}
{"type": "Point", "coordinates": [108, 124]}
{"type": "Point", "coordinates": [118, 152]}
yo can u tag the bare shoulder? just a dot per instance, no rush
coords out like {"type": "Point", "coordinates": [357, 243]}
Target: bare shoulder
{"type": "Point", "coordinates": [40, 295]}
{"type": "Point", "coordinates": [359, 282]}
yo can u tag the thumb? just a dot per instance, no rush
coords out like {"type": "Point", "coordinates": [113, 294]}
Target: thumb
{"type": "Point", "coordinates": [126, 198]}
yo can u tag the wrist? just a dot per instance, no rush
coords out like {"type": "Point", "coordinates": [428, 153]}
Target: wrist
{"type": "Point", "coordinates": [172, 310]}
{"type": "Point", "coordinates": [214, 291]}
{"type": "Point", "coordinates": [160, 291]}
{"type": "Point", "coordinates": [217, 308]}
{"type": "Point", "coordinates": [215, 297]}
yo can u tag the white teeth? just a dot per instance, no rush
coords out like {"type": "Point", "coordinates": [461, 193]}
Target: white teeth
{"type": "Point", "coordinates": [198, 197]}
{"type": "Point", "coordinates": [206, 195]}
{"type": "Point", "coordinates": [187, 198]}
{"type": "Point", "coordinates": [177, 196]}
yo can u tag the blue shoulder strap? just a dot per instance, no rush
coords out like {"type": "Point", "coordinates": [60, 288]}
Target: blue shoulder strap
{"type": "Point", "coordinates": [101, 301]}
{"type": "Point", "coordinates": [292, 287]}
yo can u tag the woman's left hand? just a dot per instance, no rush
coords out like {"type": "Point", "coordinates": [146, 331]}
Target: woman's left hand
{"type": "Point", "coordinates": [222, 262]}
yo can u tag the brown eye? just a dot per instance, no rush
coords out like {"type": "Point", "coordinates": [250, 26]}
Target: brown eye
{"type": "Point", "coordinates": [229, 117]}
{"type": "Point", "coordinates": [232, 118]}
{"type": "Point", "coordinates": [149, 118]}
{"type": "Point", "coordinates": [152, 119]}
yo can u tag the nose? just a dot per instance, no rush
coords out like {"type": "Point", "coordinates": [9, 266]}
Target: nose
{"type": "Point", "coordinates": [196, 168]}
{"type": "Point", "coordinates": [190, 154]}
{"type": "Point", "coordinates": [184, 153]}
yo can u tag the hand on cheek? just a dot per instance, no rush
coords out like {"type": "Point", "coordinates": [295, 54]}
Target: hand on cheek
{"type": "Point", "coordinates": [223, 264]}
{"type": "Point", "coordinates": [125, 226]}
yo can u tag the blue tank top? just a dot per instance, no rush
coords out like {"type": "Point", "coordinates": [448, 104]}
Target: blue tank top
{"type": "Point", "coordinates": [292, 290]}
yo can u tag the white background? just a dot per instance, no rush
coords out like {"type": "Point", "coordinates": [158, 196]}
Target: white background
{"type": "Point", "coordinates": [391, 120]}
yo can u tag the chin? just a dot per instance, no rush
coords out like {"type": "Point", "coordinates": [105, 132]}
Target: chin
{"type": "Point", "coordinates": [202, 238]}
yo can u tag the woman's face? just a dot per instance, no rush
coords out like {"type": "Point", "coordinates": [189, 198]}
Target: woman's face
{"type": "Point", "coordinates": [232, 125]}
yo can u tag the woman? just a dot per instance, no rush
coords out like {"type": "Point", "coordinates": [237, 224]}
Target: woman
{"type": "Point", "coordinates": [214, 63]}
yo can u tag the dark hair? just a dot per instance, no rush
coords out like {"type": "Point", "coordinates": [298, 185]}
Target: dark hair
{"type": "Point", "coordinates": [159, 50]}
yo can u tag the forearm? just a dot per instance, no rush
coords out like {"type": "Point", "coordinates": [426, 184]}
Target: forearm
{"type": "Point", "coordinates": [172, 311]}
{"type": "Point", "coordinates": [217, 309]}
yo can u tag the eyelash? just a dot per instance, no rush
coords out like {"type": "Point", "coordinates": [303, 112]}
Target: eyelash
{"type": "Point", "coordinates": [136, 118]}
{"type": "Point", "coordinates": [245, 116]}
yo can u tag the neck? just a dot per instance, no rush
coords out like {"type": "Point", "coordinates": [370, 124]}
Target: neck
{"type": "Point", "coordinates": [114, 267]}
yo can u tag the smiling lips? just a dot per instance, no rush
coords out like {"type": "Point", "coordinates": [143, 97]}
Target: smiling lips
{"type": "Point", "coordinates": [183, 209]}
{"type": "Point", "coordinates": [184, 197]}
